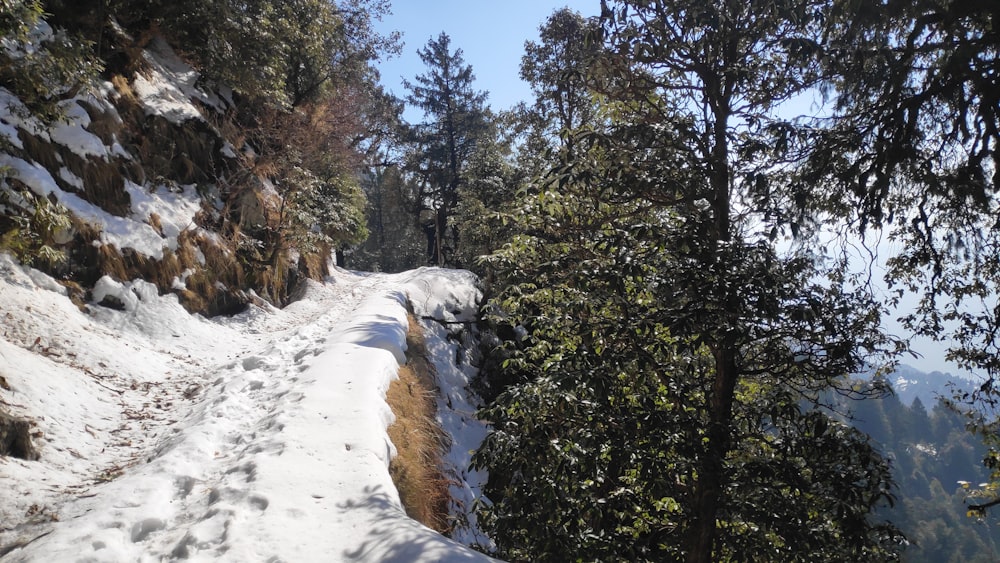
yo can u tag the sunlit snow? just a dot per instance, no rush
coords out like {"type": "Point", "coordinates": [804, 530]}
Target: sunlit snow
{"type": "Point", "coordinates": [165, 435]}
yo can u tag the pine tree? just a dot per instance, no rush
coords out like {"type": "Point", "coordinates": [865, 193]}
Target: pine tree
{"type": "Point", "coordinates": [440, 147]}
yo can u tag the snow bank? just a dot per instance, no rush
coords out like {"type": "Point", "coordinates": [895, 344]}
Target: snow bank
{"type": "Point", "coordinates": [447, 303]}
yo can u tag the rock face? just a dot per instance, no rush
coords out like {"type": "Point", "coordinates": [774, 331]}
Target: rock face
{"type": "Point", "coordinates": [15, 438]}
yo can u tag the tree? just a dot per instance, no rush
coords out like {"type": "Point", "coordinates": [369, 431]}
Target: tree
{"type": "Point", "coordinates": [486, 199]}
{"type": "Point", "coordinates": [722, 70]}
{"type": "Point", "coordinates": [911, 151]}
{"type": "Point", "coordinates": [663, 319]}
{"type": "Point", "coordinates": [394, 243]}
{"type": "Point", "coordinates": [441, 146]}
{"type": "Point", "coordinates": [41, 64]}
{"type": "Point", "coordinates": [556, 68]}
{"type": "Point", "coordinates": [278, 53]}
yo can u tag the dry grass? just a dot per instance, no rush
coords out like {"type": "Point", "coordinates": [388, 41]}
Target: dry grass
{"type": "Point", "coordinates": [123, 87]}
{"type": "Point", "coordinates": [155, 222]}
{"type": "Point", "coordinates": [419, 440]}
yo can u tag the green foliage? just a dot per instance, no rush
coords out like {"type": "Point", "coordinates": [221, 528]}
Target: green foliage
{"type": "Point", "coordinates": [557, 70]}
{"type": "Point", "coordinates": [281, 53]}
{"type": "Point", "coordinates": [912, 151]}
{"type": "Point", "coordinates": [324, 212]}
{"type": "Point", "coordinates": [608, 422]}
{"type": "Point", "coordinates": [34, 228]}
{"type": "Point", "coordinates": [395, 242]}
{"type": "Point", "coordinates": [485, 203]}
{"type": "Point", "coordinates": [38, 64]}
{"type": "Point", "coordinates": [656, 405]}
{"type": "Point", "coordinates": [440, 148]}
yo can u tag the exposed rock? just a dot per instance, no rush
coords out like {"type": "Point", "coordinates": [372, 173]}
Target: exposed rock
{"type": "Point", "coordinates": [15, 438]}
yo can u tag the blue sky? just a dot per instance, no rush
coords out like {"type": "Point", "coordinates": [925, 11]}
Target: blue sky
{"type": "Point", "coordinates": [490, 34]}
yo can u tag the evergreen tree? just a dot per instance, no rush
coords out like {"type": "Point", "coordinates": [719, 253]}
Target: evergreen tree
{"type": "Point", "coordinates": [556, 68]}
{"type": "Point", "coordinates": [40, 64]}
{"type": "Point", "coordinates": [486, 200]}
{"type": "Point", "coordinates": [669, 343]}
{"type": "Point", "coordinates": [440, 147]}
{"type": "Point", "coordinates": [394, 243]}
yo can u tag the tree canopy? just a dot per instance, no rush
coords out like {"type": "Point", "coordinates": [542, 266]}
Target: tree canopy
{"type": "Point", "coordinates": [671, 343]}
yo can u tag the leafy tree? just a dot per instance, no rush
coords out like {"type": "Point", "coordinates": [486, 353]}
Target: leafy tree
{"type": "Point", "coordinates": [395, 240]}
{"type": "Point", "coordinates": [441, 147]}
{"type": "Point", "coordinates": [486, 199]}
{"type": "Point", "coordinates": [556, 68]}
{"type": "Point", "coordinates": [40, 64]}
{"type": "Point", "coordinates": [669, 342]}
{"type": "Point", "coordinates": [911, 150]}
{"type": "Point", "coordinates": [279, 53]}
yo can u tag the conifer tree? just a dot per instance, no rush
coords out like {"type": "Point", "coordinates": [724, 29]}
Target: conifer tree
{"type": "Point", "coordinates": [440, 148]}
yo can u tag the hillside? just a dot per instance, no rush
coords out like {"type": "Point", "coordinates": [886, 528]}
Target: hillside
{"type": "Point", "coordinates": [123, 154]}
{"type": "Point", "coordinates": [910, 383]}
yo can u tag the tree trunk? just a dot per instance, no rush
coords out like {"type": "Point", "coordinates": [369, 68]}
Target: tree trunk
{"type": "Point", "coordinates": [440, 224]}
{"type": "Point", "coordinates": [711, 470]}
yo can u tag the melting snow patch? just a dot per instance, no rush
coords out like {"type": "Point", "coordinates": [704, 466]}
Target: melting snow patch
{"type": "Point", "coordinates": [71, 132]}
{"type": "Point", "coordinates": [176, 211]}
{"type": "Point", "coordinates": [170, 86]}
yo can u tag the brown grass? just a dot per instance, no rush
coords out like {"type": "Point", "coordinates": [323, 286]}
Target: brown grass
{"type": "Point", "coordinates": [123, 87]}
{"type": "Point", "coordinates": [155, 222]}
{"type": "Point", "coordinates": [419, 440]}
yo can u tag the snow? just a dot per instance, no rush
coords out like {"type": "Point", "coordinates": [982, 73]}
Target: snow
{"type": "Point", "coordinates": [170, 85]}
{"type": "Point", "coordinates": [443, 307]}
{"type": "Point", "coordinates": [15, 115]}
{"type": "Point", "coordinates": [261, 437]}
{"type": "Point", "coordinates": [70, 131]}
{"type": "Point", "coordinates": [175, 210]}
{"type": "Point", "coordinates": [164, 435]}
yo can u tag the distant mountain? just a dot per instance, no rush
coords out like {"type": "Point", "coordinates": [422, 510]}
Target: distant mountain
{"type": "Point", "coordinates": [909, 382]}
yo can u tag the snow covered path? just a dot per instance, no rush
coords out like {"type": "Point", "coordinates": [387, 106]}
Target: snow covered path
{"type": "Point", "coordinates": [166, 436]}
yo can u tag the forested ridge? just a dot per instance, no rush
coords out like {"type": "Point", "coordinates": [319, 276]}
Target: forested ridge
{"type": "Point", "coordinates": [936, 463]}
{"type": "Point", "coordinates": [685, 277]}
